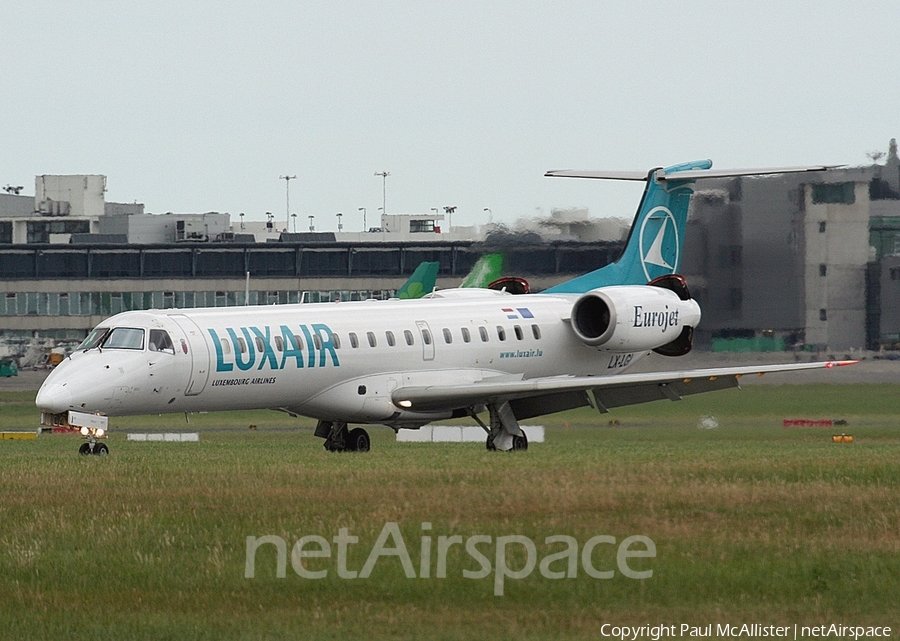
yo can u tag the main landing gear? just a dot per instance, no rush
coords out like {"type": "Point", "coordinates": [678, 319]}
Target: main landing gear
{"type": "Point", "coordinates": [519, 443]}
{"type": "Point", "coordinates": [504, 432]}
{"type": "Point", "coordinates": [338, 438]}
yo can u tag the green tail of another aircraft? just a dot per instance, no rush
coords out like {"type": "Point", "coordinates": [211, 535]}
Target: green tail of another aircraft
{"type": "Point", "coordinates": [488, 269]}
{"type": "Point", "coordinates": [421, 281]}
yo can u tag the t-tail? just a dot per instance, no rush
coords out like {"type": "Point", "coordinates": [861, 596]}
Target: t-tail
{"type": "Point", "coordinates": [656, 240]}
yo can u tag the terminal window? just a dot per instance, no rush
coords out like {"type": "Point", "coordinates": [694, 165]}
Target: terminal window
{"type": "Point", "coordinates": [838, 193]}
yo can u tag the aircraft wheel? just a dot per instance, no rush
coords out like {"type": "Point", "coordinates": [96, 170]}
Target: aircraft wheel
{"type": "Point", "coordinates": [100, 449]}
{"type": "Point", "coordinates": [359, 440]}
{"type": "Point", "coordinates": [520, 443]}
{"type": "Point", "coordinates": [85, 449]}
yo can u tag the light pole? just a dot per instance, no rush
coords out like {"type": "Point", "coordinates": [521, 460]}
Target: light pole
{"type": "Point", "coordinates": [340, 226]}
{"type": "Point", "coordinates": [287, 189]}
{"type": "Point", "coordinates": [294, 216]}
{"type": "Point", "coordinates": [363, 210]}
{"type": "Point", "coordinates": [490, 214]}
{"type": "Point", "coordinates": [449, 211]}
{"type": "Point", "coordinates": [242, 220]}
{"type": "Point", "coordinates": [311, 226]}
{"type": "Point", "coordinates": [384, 175]}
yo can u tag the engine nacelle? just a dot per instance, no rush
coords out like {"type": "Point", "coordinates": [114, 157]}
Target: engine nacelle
{"type": "Point", "coordinates": [632, 318]}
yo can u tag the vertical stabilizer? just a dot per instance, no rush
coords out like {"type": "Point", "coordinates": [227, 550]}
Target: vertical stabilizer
{"type": "Point", "coordinates": [656, 239]}
{"type": "Point", "coordinates": [421, 282]}
{"type": "Point", "coordinates": [488, 269]}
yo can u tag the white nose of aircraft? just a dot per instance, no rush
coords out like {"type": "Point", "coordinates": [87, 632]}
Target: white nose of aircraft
{"type": "Point", "coordinates": [54, 398]}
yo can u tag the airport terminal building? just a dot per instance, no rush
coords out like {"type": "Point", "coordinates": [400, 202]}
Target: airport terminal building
{"type": "Point", "coordinates": [801, 261]}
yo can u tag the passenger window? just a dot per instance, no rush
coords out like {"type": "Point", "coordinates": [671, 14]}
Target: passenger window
{"type": "Point", "coordinates": [448, 337]}
{"type": "Point", "coordinates": [519, 334]}
{"type": "Point", "coordinates": [160, 342]}
{"type": "Point", "coordinates": [390, 338]}
{"type": "Point", "coordinates": [426, 337]}
{"type": "Point", "coordinates": [536, 331]}
{"type": "Point", "coordinates": [242, 346]}
{"type": "Point", "coordinates": [259, 344]}
{"type": "Point", "coordinates": [354, 341]}
{"type": "Point", "coordinates": [371, 337]}
{"type": "Point", "coordinates": [501, 333]}
{"type": "Point", "coordinates": [409, 337]}
{"type": "Point", "coordinates": [298, 342]}
{"type": "Point", "coordinates": [279, 344]}
{"type": "Point", "coordinates": [465, 334]}
{"type": "Point", "coordinates": [317, 341]}
{"type": "Point", "coordinates": [336, 341]}
{"type": "Point", "coordinates": [484, 335]}
{"type": "Point", "coordinates": [226, 346]}
{"type": "Point", "coordinates": [124, 338]}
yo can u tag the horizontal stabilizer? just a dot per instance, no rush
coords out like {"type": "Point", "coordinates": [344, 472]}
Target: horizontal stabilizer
{"type": "Point", "coordinates": [604, 175]}
{"type": "Point", "coordinates": [693, 174]}
{"type": "Point", "coordinates": [685, 174]}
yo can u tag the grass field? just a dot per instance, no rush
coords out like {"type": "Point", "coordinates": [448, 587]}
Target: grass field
{"type": "Point", "coordinates": [752, 523]}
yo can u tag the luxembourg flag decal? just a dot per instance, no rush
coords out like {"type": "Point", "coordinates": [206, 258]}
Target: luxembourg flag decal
{"type": "Point", "coordinates": [517, 313]}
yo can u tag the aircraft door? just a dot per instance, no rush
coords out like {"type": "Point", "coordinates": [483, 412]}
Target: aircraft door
{"type": "Point", "coordinates": [427, 340]}
{"type": "Point", "coordinates": [198, 350]}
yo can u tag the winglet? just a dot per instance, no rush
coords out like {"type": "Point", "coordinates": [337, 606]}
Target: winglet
{"type": "Point", "coordinates": [831, 364]}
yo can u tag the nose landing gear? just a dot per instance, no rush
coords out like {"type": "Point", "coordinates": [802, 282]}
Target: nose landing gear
{"type": "Point", "coordinates": [95, 448]}
{"type": "Point", "coordinates": [93, 445]}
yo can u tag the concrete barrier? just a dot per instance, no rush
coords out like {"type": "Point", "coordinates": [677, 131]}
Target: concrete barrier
{"type": "Point", "coordinates": [166, 436]}
{"type": "Point", "coordinates": [460, 434]}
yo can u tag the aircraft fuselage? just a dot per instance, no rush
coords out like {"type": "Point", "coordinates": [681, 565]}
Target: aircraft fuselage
{"type": "Point", "coordinates": [343, 360]}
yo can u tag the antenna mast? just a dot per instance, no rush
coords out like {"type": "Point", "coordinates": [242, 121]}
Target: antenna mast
{"type": "Point", "coordinates": [287, 188]}
{"type": "Point", "coordinates": [384, 175]}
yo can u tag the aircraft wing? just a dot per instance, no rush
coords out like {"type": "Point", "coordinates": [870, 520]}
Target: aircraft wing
{"type": "Point", "coordinates": [538, 396]}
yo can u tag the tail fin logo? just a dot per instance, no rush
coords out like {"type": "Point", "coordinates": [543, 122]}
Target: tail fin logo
{"type": "Point", "coordinates": [659, 246]}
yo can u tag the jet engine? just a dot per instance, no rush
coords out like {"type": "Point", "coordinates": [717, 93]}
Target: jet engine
{"type": "Point", "coordinates": [634, 318]}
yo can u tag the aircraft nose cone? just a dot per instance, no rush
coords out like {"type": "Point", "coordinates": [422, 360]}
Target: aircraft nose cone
{"type": "Point", "coordinates": [54, 398]}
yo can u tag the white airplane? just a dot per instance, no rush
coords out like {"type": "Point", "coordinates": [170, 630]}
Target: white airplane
{"type": "Point", "coordinates": [406, 363]}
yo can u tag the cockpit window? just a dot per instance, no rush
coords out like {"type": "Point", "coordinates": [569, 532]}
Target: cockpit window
{"type": "Point", "coordinates": [94, 338]}
{"type": "Point", "coordinates": [124, 338]}
{"type": "Point", "coordinates": [160, 342]}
